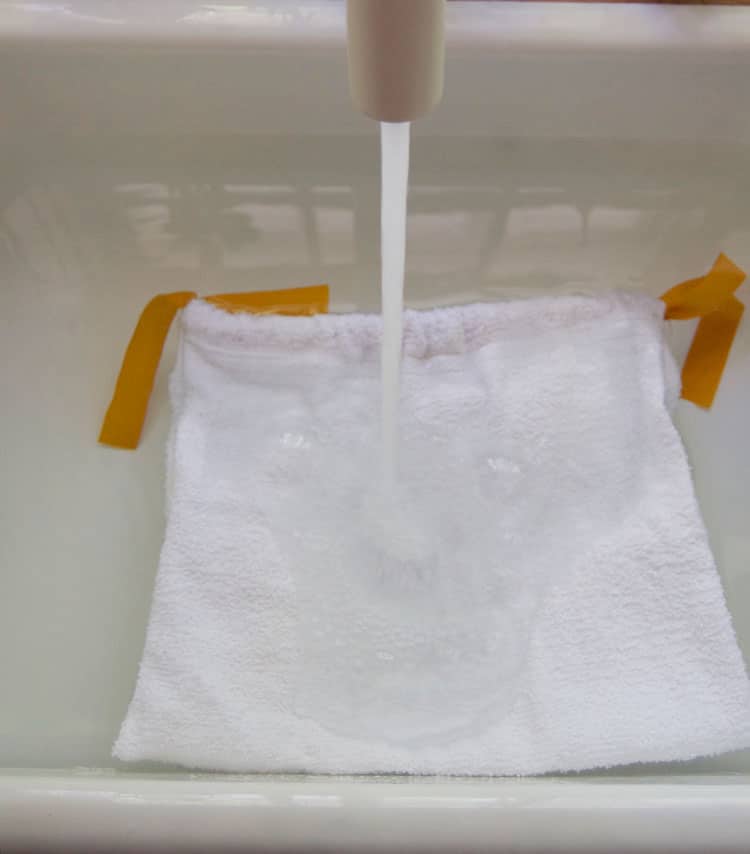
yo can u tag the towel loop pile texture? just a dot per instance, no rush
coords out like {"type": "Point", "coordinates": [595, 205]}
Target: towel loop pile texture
{"type": "Point", "coordinates": [537, 594]}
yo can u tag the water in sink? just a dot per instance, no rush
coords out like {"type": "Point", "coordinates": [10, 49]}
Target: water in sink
{"type": "Point", "coordinates": [92, 228]}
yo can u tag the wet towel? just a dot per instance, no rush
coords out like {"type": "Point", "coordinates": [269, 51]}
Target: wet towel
{"type": "Point", "coordinates": [534, 593]}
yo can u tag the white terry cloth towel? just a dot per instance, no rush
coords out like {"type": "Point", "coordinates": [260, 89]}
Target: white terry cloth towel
{"type": "Point", "coordinates": [533, 591]}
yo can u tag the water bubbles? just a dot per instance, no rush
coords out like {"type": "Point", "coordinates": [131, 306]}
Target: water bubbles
{"type": "Point", "coordinates": [413, 617]}
{"type": "Point", "coordinates": [503, 466]}
{"type": "Point", "coordinates": [295, 440]}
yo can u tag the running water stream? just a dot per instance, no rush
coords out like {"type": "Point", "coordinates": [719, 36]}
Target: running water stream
{"type": "Point", "coordinates": [394, 144]}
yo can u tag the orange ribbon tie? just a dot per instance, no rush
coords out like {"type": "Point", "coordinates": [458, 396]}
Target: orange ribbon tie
{"type": "Point", "coordinates": [123, 422]}
{"type": "Point", "coordinates": [711, 298]}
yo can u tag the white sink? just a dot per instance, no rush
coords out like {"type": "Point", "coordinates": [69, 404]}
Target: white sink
{"type": "Point", "coordinates": [179, 145]}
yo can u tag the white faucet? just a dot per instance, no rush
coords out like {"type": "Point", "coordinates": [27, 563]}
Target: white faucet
{"type": "Point", "coordinates": [396, 54]}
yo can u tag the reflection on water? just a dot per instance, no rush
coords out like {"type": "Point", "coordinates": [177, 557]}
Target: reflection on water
{"type": "Point", "coordinates": [486, 218]}
{"type": "Point", "coordinates": [90, 229]}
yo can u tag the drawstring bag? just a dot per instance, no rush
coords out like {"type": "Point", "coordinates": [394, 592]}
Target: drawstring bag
{"type": "Point", "coordinates": [532, 590]}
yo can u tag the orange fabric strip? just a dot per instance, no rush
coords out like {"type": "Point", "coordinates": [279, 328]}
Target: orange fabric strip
{"type": "Point", "coordinates": [123, 422]}
{"type": "Point", "coordinates": [704, 364]}
{"type": "Point", "coordinates": [299, 301]}
{"type": "Point", "coordinates": [699, 297]}
{"type": "Point", "coordinates": [124, 419]}
{"type": "Point", "coordinates": [710, 297]}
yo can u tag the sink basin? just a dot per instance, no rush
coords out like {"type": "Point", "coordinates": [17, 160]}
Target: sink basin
{"type": "Point", "coordinates": [180, 145]}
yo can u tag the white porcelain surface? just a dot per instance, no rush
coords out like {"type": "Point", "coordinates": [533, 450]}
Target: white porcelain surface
{"type": "Point", "coordinates": [178, 145]}
{"type": "Point", "coordinates": [201, 814]}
